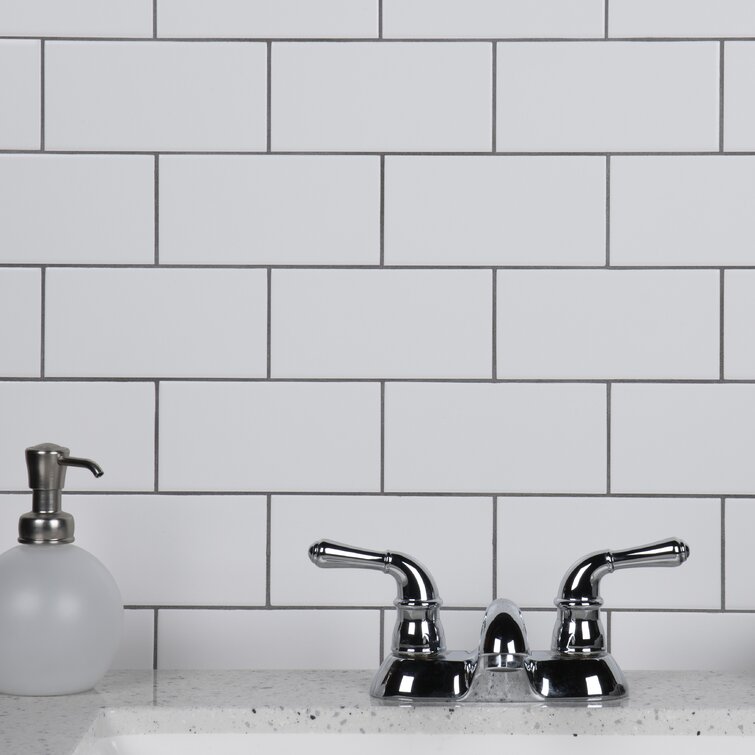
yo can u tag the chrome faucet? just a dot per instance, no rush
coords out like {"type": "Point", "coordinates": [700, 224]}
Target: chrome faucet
{"type": "Point", "coordinates": [502, 669]}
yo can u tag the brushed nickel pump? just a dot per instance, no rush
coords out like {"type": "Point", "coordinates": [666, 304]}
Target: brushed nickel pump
{"type": "Point", "coordinates": [502, 669]}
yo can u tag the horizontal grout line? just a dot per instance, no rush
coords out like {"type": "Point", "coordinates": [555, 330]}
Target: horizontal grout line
{"type": "Point", "coordinates": [449, 609]}
{"type": "Point", "coordinates": [387, 153]}
{"type": "Point", "coordinates": [331, 266]}
{"type": "Point", "coordinates": [394, 494]}
{"type": "Point", "coordinates": [389, 380]}
{"type": "Point", "coordinates": [377, 39]}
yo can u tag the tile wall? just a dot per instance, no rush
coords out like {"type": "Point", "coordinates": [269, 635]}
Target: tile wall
{"type": "Point", "coordinates": [473, 279]}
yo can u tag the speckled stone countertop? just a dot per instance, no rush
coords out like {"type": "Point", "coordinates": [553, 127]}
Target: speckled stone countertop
{"type": "Point", "coordinates": [674, 703]}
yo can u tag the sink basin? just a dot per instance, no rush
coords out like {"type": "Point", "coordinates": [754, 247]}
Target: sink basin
{"type": "Point", "coordinates": [417, 744]}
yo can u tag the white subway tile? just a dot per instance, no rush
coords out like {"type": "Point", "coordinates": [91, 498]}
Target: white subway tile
{"type": "Point", "coordinates": [494, 438]}
{"type": "Point", "coordinates": [380, 523]}
{"type": "Point", "coordinates": [381, 96]}
{"type": "Point", "coordinates": [268, 639]}
{"type": "Point", "coordinates": [267, 18]}
{"type": "Point", "coordinates": [199, 95]}
{"type": "Point", "coordinates": [20, 99]}
{"type": "Point", "coordinates": [281, 209]}
{"type": "Point", "coordinates": [495, 210]}
{"type": "Point", "coordinates": [614, 524]}
{"type": "Point", "coordinates": [136, 648]}
{"type": "Point", "coordinates": [76, 18]}
{"type": "Point", "coordinates": [492, 18]}
{"type": "Point", "coordinates": [112, 423]}
{"type": "Point", "coordinates": [189, 546]}
{"type": "Point", "coordinates": [382, 323]}
{"type": "Point", "coordinates": [608, 324]}
{"type": "Point", "coordinates": [683, 641]}
{"type": "Point", "coordinates": [20, 322]}
{"type": "Point", "coordinates": [682, 210]}
{"type": "Point", "coordinates": [156, 322]}
{"type": "Point", "coordinates": [682, 438]}
{"type": "Point", "coordinates": [283, 436]}
{"type": "Point", "coordinates": [681, 18]}
{"type": "Point", "coordinates": [739, 97]}
{"type": "Point", "coordinates": [740, 519]}
{"type": "Point", "coordinates": [595, 96]}
{"type": "Point", "coordinates": [739, 319]}
{"type": "Point", "coordinates": [77, 208]}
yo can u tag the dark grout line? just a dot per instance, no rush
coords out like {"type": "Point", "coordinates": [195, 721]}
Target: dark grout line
{"type": "Point", "coordinates": [157, 436]}
{"type": "Point", "coordinates": [608, 437]}
{"type": "Point", "coordinates": [42, 96]}
{"type": "Point", "coordinates": [269, 97]}
{"type": "Point", "coordinates": [380, 36]}
{"type": "Point", "coordinates": [268, 549]}
{"type": "Point", "coordinates": [721, 324]}
{"type": "Point", "coordinates": [42, 335]}
{"type": "Point", "coordinates": [614, 495]}
{"type": "Point", "coordinates": [269, 323]}
{"type": "Point", "coordinates": [379, 39]}
{"type": "Point", "coordinates": [381, 636]}
{"type": "Point", "coordinates": [609, 614]}
{"type": "Point", "coordinates": [494, 369]}
{"type": "Point", "coordinates": [332, 607]}
{"type": "Point", "coordinates": [608, 210]}
{"type": "Point", "coordinates": [382, 211]}
{"type": "Point", "coordinates": [605, 19]}
{"type": "Point", "coordinates": [394, 381]}
{"type": "Point", "coordinates": [723, 554]}
{"type": "Point", "coordinates": [495, 547]}
{"type": "Point", "coordinates": [721, 57]}
{"type": "Point", "coordinates": [494, 87]}
{"type": "Point", "coordinates": [393, 153]}
{"type": "Point", "coordinates": [382, 437]}
{"type": "Point", "coordinates": [374, 266]}
{"type": "Point", "coordinates": [156, 190]}
{"type": "Point", "coordinates": [154, 638]}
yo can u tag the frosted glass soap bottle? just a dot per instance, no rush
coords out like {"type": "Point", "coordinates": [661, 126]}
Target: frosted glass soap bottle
{"type": "Point", "coordinates": [61, 613]}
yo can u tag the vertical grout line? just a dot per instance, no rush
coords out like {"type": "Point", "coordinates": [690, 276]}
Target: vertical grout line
{"type": "Point", "coordinates": [495, 325]}
{"type": "Point", "coordinates": [380, 32]}
{"type": "Point", "coordinates": [723, 554]}
{"type": "Point", "coordinates": [42, 95]}
{"type": "Point", "coordinates": [381, 635]}
{"type": "Point", "coordinates": [608, 210]}
{"type": "Point", "coordinates": [43, 297]}
{"type": "Point", "coordinates": [269, 96]}
{"type": "Point", "coordinates": [495, 547]}
{"type": "Point", "coordinates": [154, 638]}
{"type": "Point", "coordinates": [382, 436]}
{"type": "Point", "coordinates": [268, 541]}
{"type": "Point", "coordinates": [605, 19]}
{"type": "Point", "coordinates": [154, 19]}
{"type": "Point", "coordinates": [269, 321]}
{"type": "Point", "coordinates": [382, 210]}
{"type": "Point", "coordinates": [493, 144]}
{"type": "Point", "coordinates": [721, 97]}
{"type": "Point", "coordinates": [157, 436]}
{"type": "Point", "coordinates": [721, 302]}
{"type": "Point", "coordinates": [609, 628]}
{"type": "Point", "coordinates": [156, 189]}
{"type": "Point", "coordinates": [608, 437]}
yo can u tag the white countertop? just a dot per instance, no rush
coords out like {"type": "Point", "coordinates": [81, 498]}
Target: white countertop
{"type": "Point", "coordinates": [686, 703]}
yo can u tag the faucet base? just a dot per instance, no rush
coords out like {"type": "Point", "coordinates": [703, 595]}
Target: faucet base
{"type": "Point", "coordinates": [410, 678]}
{"type": "Point", "coordinates": [575, 676]}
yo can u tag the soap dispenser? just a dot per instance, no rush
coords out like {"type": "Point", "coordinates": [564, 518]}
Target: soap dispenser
{"type": "Point", "coordinates": [61, 613]}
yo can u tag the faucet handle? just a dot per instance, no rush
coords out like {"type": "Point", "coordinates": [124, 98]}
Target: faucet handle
{"type": "Point", "coordinates": [578, 626]}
